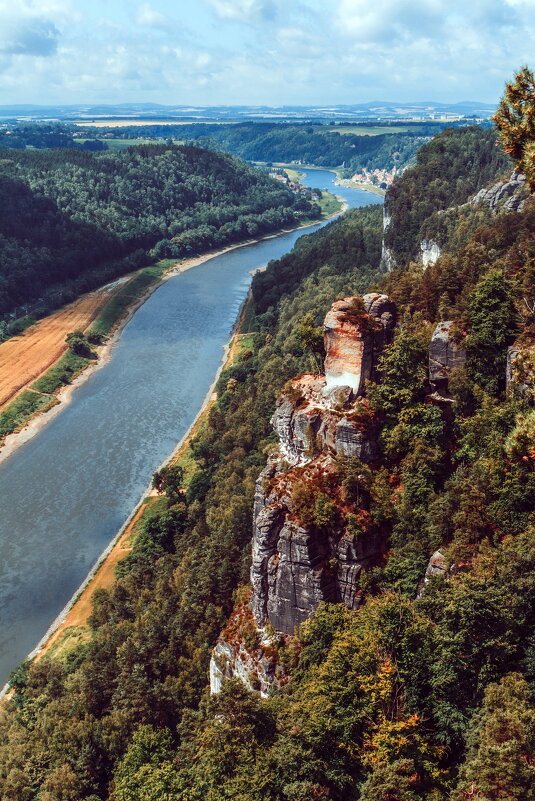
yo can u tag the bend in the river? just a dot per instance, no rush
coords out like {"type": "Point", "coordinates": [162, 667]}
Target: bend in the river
{"type": "Point", "coordinates": [66, 492]}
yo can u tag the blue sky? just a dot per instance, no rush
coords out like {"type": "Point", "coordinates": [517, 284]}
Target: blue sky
{"type": "Point", "coordinates": [204, 52]}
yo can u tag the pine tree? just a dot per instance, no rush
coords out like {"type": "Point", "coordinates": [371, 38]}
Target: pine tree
{"type": "Point", "coordinates": [515, 119]}
{"type": "Point", "coordinates": [501, 746]}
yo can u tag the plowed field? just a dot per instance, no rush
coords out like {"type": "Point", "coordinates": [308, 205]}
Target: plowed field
{"type": "Point", "coordinates": [24, 358]}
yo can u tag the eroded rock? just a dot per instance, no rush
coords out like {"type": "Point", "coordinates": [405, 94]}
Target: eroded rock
{"type": "Point", "coordinates": [297, 563]}
{"type": "Point", "coordinates": [430, 252]}
{"type": "Point", "coordinates": [356, 331]}
{"type": "Point", "coordinates": [444, 355]}
{"type": "Point", "coordinates": [508, 195]}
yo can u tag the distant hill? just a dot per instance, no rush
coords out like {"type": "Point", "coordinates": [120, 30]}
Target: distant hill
{"type": "Point", "coordinates": [374, 110]}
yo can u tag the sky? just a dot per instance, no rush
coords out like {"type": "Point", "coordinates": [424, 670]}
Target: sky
{"type": "Point", "coordinates": [261, 52]}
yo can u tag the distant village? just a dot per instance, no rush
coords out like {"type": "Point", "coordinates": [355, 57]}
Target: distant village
{"type": "Point", "coordinates": [379, 177]}
{"type": "Point", "coordinates": [295, 186]}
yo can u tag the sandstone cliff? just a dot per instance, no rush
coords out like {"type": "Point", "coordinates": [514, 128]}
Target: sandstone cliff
{"type": "Point", "coordinates": [312, 535]}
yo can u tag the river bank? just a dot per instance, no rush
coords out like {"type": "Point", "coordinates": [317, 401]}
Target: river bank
{"type": "Point", "coordinates": [37, 420]}
{"type": "Point", "coordinates": [68, 492]}
{"type": "Point", "coordinates": [70, 628]}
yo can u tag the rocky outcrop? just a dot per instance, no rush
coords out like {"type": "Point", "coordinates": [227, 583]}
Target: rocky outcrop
{"type": "Point", "coordinates": [302, 557]}
{"type": "Point", "coordinates": [509, 195]}
{"type": "Point", "coordinates": [388, 261]}
{"type": "Point", "coordinates": [312, 535]}
{"type": "Point", "coordinates": [356, 331]}
{"type": "Point", "coordinates": [430, 252]}
{"type": "Point", "coordinates": [520, 369]}
{"type": "Point", "coordinates": [310, 419]}
{"type": "Point", "coordinates": [437, 566]}
{"type": "Point", "coordinates": [445, 353]}
{"type": "Point", "coordinates": [246, 652]}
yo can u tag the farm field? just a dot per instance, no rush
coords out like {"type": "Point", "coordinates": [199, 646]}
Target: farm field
{"type": "Point", "coordinates": [25, 357]}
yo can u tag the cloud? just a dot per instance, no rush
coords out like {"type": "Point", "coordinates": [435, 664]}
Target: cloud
{"type": "Point", "coordinates": [29, 37]}
{"type": "Point", "coordinates": [147, 15]}
{"type": "Point", "coordinates": [261, 51]}
{"type": "Point", "coordinates": [389, 20]}
{"type": "Point", "coordinates": [245, 10]}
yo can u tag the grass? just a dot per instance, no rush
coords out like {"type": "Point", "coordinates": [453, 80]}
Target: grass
{"type": "Point", "coordinates": [22, 408]}
{"type": "Point", "coordinates": [61, 373]}
{"type": "Point", "coordinates": [248, 323]}
{"type": "Point", "coordinates": [329, 204]}
{"type": "Point", "coordinates": [71, 638]}
{"type": "Point", "coordinates": [153, 505]}
{"type": "Point", "coordinates": [294, 175]}
{"type": "Point", "coordinates": [117, 306]}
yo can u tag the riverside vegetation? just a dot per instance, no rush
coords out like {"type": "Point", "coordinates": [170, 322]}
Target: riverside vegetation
{"type": "Point", "coordinates": [407, 698]}
{"type": "Point", "coordinates": [73, 220]}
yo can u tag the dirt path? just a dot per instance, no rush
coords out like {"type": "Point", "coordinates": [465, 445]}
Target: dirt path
{"type": "Point", "coordinates": [26, 357]}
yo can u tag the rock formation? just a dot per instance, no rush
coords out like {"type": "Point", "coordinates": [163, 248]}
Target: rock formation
{"type": "Point", "coordinates": [312, 536]}
{"type": "Point", "coordinates": [430, 252]}
{"type": "Point", "coordinates": [509, 195]}
{"type": "Point", "coordinates": [355, 334]}
{"type": "Point", "coordinates": [437, 566]}
{"type": "Point", "coordinates": [520, 369]}
{"type": "Point", "coordinates": [388, 261]}
{"type": "Point", "coordinates": [444, 355]}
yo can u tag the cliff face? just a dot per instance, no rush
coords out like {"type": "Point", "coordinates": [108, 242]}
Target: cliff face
{"type": "Point", "coordinates": [508, 195]}
{"type": "Point", "coordinates": [312, 537]}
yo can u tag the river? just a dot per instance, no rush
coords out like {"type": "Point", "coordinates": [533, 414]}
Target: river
{"type": "Point", "coordinates": [65, 493]}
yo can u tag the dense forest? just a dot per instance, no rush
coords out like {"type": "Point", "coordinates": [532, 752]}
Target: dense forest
{"type": "Point", "coordinates": [42, 135]}
{"type": "Point", "coordinates": [321, 145]}
{"type": "Point", "coordinates": [412, 697]}
{"type": "Point", "coordinates": [71, 220]}
{"type": "Point", "coordinates": [450, 168]}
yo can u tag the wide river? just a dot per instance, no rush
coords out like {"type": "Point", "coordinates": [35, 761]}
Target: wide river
{"type": "Point", "coordinates": [66, 492]}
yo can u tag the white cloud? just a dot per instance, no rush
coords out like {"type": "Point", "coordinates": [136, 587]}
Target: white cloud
{"type": "Point", "coordinates": [32, 36]}
{"type": "Point", "coordinates": [148, 16]}
{"type": "Point", "coordinates": [244, 10]}
{"type": "Point", "coordinates": [289, 51]}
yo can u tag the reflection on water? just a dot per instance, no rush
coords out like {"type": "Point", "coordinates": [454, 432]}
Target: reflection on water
{"type": "Point", "coordinates": [65, 493]}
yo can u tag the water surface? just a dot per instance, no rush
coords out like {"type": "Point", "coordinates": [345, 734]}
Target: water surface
{"type": "Point", "coordinates": [66, 492]}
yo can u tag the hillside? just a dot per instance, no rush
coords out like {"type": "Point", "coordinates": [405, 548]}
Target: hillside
{"type": "Point", "coordinates": [409, 498]}
{"type": "Point", "coordinates": [351, 147]}
{"type": "Point", "coordinates": [73, 220]}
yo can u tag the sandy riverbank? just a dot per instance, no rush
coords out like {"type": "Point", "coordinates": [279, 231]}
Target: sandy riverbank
{"type": "Point", "coordinates": [31, 428]}
{"type": "Point", "coordinates": [101, 576]}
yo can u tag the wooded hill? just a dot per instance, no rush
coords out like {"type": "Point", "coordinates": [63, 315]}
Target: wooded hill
{"type": "Point", "coordinates": [71, 220]}
{"type": "Point", "coordinates": [406, 698]}
{"type": "Point", "coordinates": [321, 145]}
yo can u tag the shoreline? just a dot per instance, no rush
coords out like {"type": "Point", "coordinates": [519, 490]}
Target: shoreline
{"type": "Point", "coordinates": [37, 423]}
{"type": "Point", "coordinates": [39, 420]}
{"type": "Point", "coordinates": [109, 553]}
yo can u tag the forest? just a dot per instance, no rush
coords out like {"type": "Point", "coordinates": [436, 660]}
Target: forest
{"type": "Point", "coordinates": [320, 145]}
{"type": "Point", "coordinates": [72, 220]}
{"type": "Point", "coordinates": [411, 697]}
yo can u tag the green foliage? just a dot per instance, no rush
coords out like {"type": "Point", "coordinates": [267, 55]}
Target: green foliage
{"type": "Point", "coordinates": [493, 323]}
{"type": "Point", "coordinates": [501, 744]}
{"type": "Point", "coordinates": [78, 344]}
{"type": "Point", "coordinates": [21, 409]}
{"type": "Point", "coordinates": [414, 698]}
{"type": "Point", "coordinates": [515, 120]}
{"type": "Point", "coordinates": [449, 169]}
{"type": "Point", "coordinates": [73, 220]}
